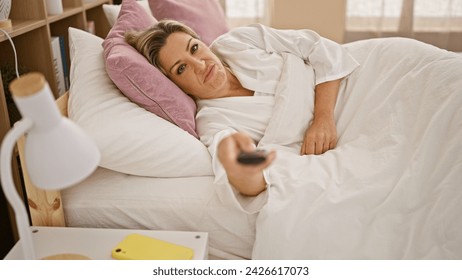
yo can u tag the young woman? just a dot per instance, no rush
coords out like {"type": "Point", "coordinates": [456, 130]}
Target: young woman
{"type": "Point", "coordinates": [235, 80]}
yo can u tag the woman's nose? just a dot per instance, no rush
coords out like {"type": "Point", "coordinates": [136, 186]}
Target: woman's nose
{"type": "Point", "coordinates": [199, 64]}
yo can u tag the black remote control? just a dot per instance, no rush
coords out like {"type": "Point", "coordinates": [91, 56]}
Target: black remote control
{"type": "Point", "coordinates": [255, 157]}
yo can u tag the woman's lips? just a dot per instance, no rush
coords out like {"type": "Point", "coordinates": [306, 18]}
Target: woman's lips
{"type": "Point", "coordinates": [209, 72]}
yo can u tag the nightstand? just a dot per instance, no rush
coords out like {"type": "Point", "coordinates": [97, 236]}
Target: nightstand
{"type": "Point", "coordinates": [97, 243]}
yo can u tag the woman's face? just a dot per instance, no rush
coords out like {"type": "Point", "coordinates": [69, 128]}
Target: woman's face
{"type": "Point", "coordinates": [190, 64]}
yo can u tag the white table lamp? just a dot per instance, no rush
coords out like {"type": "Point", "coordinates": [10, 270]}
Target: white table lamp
{"type": "Point", "coordinates": [58, 154]}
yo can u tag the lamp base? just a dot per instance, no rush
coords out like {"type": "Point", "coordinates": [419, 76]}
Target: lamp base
{"type": "Point", "coordinates": [6, 24]}
{"type": "Point", "coordinates": [66, 257]}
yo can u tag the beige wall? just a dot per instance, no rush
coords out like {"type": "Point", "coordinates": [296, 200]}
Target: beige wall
{"type": "Point", "coordinates": [327, 17]}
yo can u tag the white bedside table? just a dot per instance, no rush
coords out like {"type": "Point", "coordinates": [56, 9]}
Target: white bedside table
{"type": "Point", "coordinates": [97, 243]}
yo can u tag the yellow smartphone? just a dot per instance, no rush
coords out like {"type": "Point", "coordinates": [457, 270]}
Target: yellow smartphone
{"type": "Point", "coordinates": [141, 247]}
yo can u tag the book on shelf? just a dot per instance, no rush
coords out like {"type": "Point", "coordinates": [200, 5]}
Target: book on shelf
{"type": "Point", "coordinates": [62, 44]}
{"type": "Point", "coordinates": [91, 27]}
{"type": "Point", "coordinates": [58, 65]}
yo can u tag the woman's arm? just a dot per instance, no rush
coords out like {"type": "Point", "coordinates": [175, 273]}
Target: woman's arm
{"type": "Point", "coordinates": [240, 46]}
{"type": "Point", "coordinates": [247, 179]}
{"type": "Point", "coordinates": [321, 134]}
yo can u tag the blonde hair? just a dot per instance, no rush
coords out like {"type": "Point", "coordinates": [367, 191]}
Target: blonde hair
{"type": "Point", "coordinates": [149, 41]}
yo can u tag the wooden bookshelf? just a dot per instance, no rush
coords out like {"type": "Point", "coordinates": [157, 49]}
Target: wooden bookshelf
{"type": "Point", "coordinates": [32, 28]}
{"type": "Point", "coordinates": [31, 32]}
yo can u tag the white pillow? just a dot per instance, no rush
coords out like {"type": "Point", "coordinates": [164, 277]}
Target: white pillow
{"type": "Point", "coordinates": [112, 11]}
{"type": "Point", "coordinates": [131, 139]}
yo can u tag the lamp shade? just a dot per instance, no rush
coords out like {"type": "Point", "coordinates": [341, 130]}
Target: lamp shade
{"type": "Point", "coordinates": [57, 152]}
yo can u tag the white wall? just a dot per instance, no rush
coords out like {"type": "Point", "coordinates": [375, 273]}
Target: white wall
{"type": "Point", "coordinates": [327, 17]}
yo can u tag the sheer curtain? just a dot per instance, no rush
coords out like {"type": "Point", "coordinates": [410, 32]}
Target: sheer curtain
{"type": "Point", "coordinates": [437, 22]}
{"type": "Point", "coordinates": [244, 12]}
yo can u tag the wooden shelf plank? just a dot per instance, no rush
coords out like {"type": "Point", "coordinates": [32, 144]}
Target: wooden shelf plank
{"type": "Point", "coordinates": [94, 3]}
{"type": "Point", "coordinates": [21, 27]}
{"type": "Point", "coordinates": [68, 12]}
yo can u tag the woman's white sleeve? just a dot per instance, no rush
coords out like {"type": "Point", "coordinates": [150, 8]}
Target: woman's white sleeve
{"type": "Point", "coordinates": [330, 60]}
{"type": "Point", "coordinates": [226, 192]}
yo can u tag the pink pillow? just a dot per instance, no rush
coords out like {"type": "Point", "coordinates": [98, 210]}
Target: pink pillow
{"type": "Point", "coordinates": [138, 79]}
{"type": "Point", "coordinates": [206, 17]}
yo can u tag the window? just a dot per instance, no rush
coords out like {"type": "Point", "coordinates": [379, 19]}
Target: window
{"type": "Point", "coordinates": [243, 12]}
{"type": "Point", "coordinates": [390, 15]}
{"type": "Point", "coordinates": [435, 22]}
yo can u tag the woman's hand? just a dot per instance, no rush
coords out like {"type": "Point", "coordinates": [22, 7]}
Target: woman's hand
{"type": "Point", "coordinates": [247, 179]}
{"type": "Point", "coordinates": [320, 136]}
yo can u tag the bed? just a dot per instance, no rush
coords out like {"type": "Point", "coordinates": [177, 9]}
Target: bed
{"type": "Point", "coordinates": [390, 190]}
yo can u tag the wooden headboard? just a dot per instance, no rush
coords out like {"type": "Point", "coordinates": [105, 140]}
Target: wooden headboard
{"type": "Point", "coordinates": [46, 207]}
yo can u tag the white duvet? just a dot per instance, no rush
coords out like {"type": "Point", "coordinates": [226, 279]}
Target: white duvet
{"type": "Point", "coordinates": [392, 189]}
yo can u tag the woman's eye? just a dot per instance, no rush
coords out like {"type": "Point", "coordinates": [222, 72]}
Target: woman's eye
{"type": "Point", "coordinates": [194, 48]}
{"type": "Point", "coordinates": [181, 69]}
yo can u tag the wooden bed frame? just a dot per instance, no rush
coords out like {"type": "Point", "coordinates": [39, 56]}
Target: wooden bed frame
{"type": "Point", "coordinates": [46, 207]}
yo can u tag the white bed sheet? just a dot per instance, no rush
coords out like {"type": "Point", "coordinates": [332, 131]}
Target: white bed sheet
{"type": "Point", "coordinates": [391, 189]}
{"type": "Point", "coordinates": [109, 199]}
